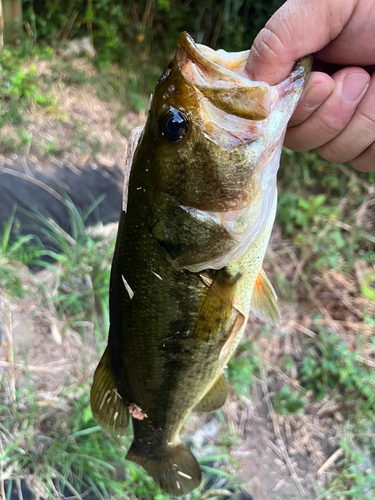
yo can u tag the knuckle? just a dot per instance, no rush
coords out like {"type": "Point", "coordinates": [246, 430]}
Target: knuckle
{"type": "Point", "coordinates": [365, 162]}
{"type": "Point", "coordinates": [331, 125]}
{"type": "Point", "coordinates": [269, 42]}
{"type": "Point", "coordinates": [368, 118]}
{"type": "Point", "coordinates": [331, 154]}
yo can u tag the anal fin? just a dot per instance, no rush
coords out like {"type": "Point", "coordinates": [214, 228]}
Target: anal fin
{"type": "Point", "coordinates": [215, 397]}
{"type": "Point", "coordinates": [264, 300]}
{"type": "Point", "coordinates": [107, 406]}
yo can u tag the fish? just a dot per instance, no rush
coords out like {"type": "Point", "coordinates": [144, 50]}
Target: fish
{"type": "Point", "coordinates": [198, 209]}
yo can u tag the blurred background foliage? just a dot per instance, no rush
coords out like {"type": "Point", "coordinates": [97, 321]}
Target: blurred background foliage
{"type": "Point", "coordinates": [123, 29]}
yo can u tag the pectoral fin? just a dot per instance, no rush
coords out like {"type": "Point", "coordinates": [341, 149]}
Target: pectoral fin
{"type": "Point", "coordinates": [233, 332]}
{"type": "Point", "coordinates": [216, 306]}
{"type": "Point", "coordinates": [215, 397]}
{"type": "Point", "coordinates": [107, 406]}
{"type": "Point", "coordinates": [264, 300]}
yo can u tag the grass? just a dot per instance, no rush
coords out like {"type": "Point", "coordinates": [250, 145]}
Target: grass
{"type": "Point", "coordinates": [356, 478]}
{"type": "Point", "coordinates": [317, 372]}
{"type": "Point", "coordinates": [70, 110]}
{"type": "Point", "coordinates": [83, 262]}
{"type": "Point", "coordinates": [73, 456]}
{"type": "Point", "coordinates": [16, 251]}
{"type": "Point", "coordinates": [60, 449]}
{"type": "Point", "coordinates": [323, 211]}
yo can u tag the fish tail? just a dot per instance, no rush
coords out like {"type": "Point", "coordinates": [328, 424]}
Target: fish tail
{"type": "Point", "coordinates": [175, 469]}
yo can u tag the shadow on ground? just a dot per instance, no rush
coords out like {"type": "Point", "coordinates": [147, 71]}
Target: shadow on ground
{"type": "Point", "coordinates": [30, 192]}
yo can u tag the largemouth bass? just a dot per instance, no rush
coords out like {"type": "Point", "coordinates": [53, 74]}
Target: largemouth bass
{"type": "Point", "coordinates": [187, 269]}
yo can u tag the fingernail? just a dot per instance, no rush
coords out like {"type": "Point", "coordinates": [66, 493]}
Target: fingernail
{"type": "Point", "coordinates": [354, 86]}
{"type": "Point", "coordinates": [316, 95]}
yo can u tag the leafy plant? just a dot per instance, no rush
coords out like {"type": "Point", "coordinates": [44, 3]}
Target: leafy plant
{"type": "Point", "coordinates": [17, 250]}
{"type": "Point", "coordinates": [355, 479]}
{"type": "Point", "coordinates": [331, 366]}
{"type": "Point", "coordinates": [289, 401]}
{"type": "Point", "coordinates": [138, 29]}
{"type": "Point", "coordinates": [18, 87]}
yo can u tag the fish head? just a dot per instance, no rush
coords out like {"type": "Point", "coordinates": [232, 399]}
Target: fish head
{"type": "Point", "coordinates": [214, 128]}
{"type": "Point", "coordinates": [212, 136]}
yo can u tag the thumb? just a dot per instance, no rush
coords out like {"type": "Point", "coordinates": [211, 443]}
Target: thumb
{"type": "Point", "coordinates": [298, 28]}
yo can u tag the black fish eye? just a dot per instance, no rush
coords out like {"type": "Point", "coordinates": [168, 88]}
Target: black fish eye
{"type": "Point", "coordinates": [174, 125]}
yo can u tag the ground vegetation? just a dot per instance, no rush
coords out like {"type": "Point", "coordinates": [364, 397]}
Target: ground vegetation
{"type": "Point", "coordinates": [299, 421]}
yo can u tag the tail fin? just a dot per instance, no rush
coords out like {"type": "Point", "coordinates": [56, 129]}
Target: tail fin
{"type": "Point", "coordinates": [175, 470]}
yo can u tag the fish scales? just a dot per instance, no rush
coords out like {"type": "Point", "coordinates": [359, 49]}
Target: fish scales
{"type": "Point", "coordinates": [187, 268]}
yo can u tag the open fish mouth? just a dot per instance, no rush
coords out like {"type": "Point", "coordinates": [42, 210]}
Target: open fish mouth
{"type": "Point", "coordinates": [221, 77]}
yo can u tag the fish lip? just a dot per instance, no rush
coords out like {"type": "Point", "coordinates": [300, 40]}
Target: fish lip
{"type": "Point", "coordinates": [293, 84]}
{"type": "Point", "coordinates": [217, 75]}
{"type": "Point", "coordinates": [201, 54]}
{"type": "Point", "coordinates": [303, 66]}
{"type": "Point", "coordinates": [219, 59]}
{"type": "Point", "coordinates": [301, 71]}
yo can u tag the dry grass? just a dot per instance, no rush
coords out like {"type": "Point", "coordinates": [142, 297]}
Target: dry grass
{"type": "Point", "coordinates": [279, 454]}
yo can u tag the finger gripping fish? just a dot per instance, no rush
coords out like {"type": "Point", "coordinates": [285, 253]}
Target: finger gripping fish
{"type": "Point", "coordinates": [197, 215]}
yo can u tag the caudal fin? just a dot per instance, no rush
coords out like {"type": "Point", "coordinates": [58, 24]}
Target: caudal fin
{"type": "Point", "coordinates": [175, 470]}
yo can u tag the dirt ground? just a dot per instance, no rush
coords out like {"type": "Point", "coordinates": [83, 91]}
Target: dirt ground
{"type": "Point", "coordinates": [281, 457]}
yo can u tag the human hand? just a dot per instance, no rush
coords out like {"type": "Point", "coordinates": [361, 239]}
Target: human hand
{"type": "Point", "coordinates": [336, 113]}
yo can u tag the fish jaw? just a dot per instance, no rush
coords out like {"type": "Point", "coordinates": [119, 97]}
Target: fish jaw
{"type": "Point", "coordinates": [215, 165]}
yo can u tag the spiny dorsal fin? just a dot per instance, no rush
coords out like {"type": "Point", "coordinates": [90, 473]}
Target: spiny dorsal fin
{"type": "Point", "coordinates": [107, 406]}
{"type": "Point", "coordinates": [215, 397]}
{"type": "Point", "coordinates": [264, 300]}
{"type": "Point", "coordinates": [216, 306]}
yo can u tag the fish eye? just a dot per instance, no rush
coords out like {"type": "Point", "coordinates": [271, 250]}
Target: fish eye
{"type": "Point", "coordinates": [174, 125]}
